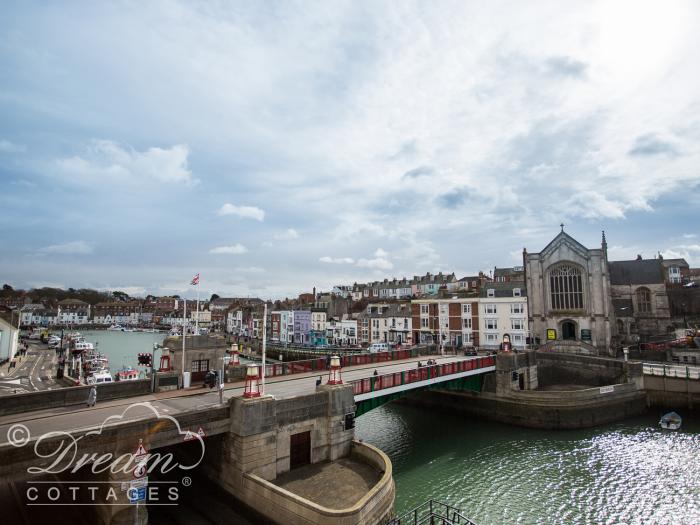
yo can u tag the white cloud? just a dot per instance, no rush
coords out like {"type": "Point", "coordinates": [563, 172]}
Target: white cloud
{"type": "Point", "coordinates": [235, 249]}
{"type": "Point", "coordinates": [249, 212]}
{"type": "Point", "coordinates": [690, 235]}
{"type": "Point", "coordinates": [689, 252]}
{"type": "Point", "coordinates": [9, 147]}
{"type": "Point", "coordinates": [288, 234]}
{"type": "Point", "coordinates": [68, 248]}
{"type": "Point", "coordinates": [249, 269]}
{"type": "Point", "coordinates": [107, 162]}
{"type": "Point", "coordinates": [336, 260]}
{"type": "Point", "coordinates": [380, 261]}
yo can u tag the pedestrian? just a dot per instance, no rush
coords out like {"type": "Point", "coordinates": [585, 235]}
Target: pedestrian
{"type": "Point", "coordinates": [419, 364]}
{"type": "Point", "coordinates": [92, 396]}
{"type": "Point", "coordinates": [319, 380]}
{"type": "Point", "coordinates": [375, 372]}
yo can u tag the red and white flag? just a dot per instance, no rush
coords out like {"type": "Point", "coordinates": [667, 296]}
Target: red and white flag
{"type": "Point", "coordinates": [195, 280]}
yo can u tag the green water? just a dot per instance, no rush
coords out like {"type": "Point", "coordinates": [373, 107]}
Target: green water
{"type": "Point", "coordinates": [626, 473]}
{"type": "Point", "coordinates": [122, 348]}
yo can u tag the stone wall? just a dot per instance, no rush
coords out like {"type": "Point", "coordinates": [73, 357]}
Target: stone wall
{"type": "Point", "coordinates": [560, 369]}
{"type": "Point", "coordinates": [561, 410]}
{"type": "Point", "coordinates": [71, 396]}
{"type": "Point", "coordinates": [284, 507]}
{"type": "Point", "coordinates": [672, 392]}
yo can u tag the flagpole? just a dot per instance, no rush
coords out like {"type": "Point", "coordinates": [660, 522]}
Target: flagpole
{"type": "Point", "coordinates": [264, 344]}
{"type": "Point", "coordinates": [184, 334]}
{"type": "Point", "coordinates": [196, 322]}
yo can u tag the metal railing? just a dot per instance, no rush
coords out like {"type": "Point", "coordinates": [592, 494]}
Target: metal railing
{"type": "Point", "coordinates": [380, 382]}
{"type": "Point", "coordinates": [434, 513]}
{"type": "Point", "coordinates": [679, 371]}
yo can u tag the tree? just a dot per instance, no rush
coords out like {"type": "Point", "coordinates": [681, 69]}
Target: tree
{"type": "Point", "coordinates": [7, 288]}
{"type": "Point", "coordinates": [214, 296]}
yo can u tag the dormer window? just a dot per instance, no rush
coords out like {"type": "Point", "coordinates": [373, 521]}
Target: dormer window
{"type": "Point", "coordinates": [490, 292]}
{"type": "Point", "coordinates": [516, 292]}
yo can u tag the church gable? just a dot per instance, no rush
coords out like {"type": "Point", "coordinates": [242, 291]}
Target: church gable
{"type": "Point", "coordinates": [565, 247]}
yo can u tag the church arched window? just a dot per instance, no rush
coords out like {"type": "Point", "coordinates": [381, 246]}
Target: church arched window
{"type": "Point", "coordinates": [643, 296]}
{"type": "Point", "coordinates": [566, 287]}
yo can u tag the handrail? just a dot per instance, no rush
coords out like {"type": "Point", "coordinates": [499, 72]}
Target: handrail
{"type": "Point", "coordinates": [423, 373]}
{"type": "Point", "coordinates": [679, 371]}
{"type": "Point", "coordinates": [433, 512]}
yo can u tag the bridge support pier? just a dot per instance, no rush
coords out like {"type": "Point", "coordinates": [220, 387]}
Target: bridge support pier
{"type": "Point", "coordinates": [119, 510]}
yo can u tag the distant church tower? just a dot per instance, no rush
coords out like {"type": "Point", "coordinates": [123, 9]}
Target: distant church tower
{"type": "Point", "coordinates": [568, 293]}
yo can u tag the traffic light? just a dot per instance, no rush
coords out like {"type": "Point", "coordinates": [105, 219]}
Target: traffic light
{"type": "Point", "coordinates": [145, 359]}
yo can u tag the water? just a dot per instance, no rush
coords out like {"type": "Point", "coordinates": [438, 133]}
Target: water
{"type": "Point", "coordinates": [122, 348]}
{"type": "Point", "coordinates": [626, 473]}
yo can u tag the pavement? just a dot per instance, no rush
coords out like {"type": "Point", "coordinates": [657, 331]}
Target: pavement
{"type": "Point", "coordinates": [34, 371]}
{"type": "Point", "coordinates": [336, 485]}
{"type": "Point", "coordinates": [75, 418]}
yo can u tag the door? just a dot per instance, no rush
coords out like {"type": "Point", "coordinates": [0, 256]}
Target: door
{"type": "Point", "coordinates": [300, 449]}
{"type": "Point", "coordinates": [199, 369]}
{"type": "Point", "coordinates": [568, 330]}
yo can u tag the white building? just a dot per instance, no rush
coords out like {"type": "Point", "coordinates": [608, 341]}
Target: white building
{"type": "Point", "coordinates": [9, 335]}
{"type": "Point", "coordinates": [341, 332]}
{"type": "Point", "coordinates": [503, 310]}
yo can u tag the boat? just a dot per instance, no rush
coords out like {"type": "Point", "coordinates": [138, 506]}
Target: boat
{"type": "Point", "coordinates": [116, 328]}
{"type": "Point", "coordinates": [98, 377]}
{"type": "Point", "coordinates": [127, 374]}
{"type": "Point", "coordinates": [670, 421]}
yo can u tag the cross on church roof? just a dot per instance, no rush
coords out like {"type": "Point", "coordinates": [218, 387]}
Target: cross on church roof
{"type": "Point", "coordinates": [562, 227]}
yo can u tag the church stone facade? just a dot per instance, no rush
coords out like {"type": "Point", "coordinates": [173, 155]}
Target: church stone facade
{"type": "Point", "coordinates": [569, 293]}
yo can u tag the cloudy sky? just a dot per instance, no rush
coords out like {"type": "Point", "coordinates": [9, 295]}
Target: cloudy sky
{"type": "Point", "coordinates": [276, 146]}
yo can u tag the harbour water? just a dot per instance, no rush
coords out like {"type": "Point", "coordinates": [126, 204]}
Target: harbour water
{"type": "Point", "coordinates": [122, 348]}
{"type": "Point", "coordinates": [631, 472]}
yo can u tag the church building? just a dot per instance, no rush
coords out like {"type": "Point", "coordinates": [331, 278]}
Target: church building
{"type": "Point", "coordinates": [569, 294]}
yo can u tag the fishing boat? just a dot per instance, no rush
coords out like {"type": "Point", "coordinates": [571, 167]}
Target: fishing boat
{"type": "Point", "coordinates": [99, 376]}
{"type": "Point", "coordinates": [127, 374]}
{"type": "Point", "coordinates": [670, 421]}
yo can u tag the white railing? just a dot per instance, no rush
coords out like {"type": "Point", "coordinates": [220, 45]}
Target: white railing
{"type": "Point", "coordinates": [680, 371]}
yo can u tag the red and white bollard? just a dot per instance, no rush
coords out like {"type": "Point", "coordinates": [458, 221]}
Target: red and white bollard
{"type": "Point", "coordinates": [235, 361]}
{"type": "Point", "coordinates": [334, 376]}
{"type": "Point", "coordinates": [252, 382]}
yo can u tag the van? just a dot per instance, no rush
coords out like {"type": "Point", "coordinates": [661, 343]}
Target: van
{"type": "Point", "coordinates": [378, 347]}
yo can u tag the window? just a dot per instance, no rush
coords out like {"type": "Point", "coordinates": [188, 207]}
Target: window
{"type": "Point", "coordinates": [491, 338]}
{"type": "Point", "coordinates": [467, 309]}
{"type": "Point", "coordinates": [492, 324]}
{"type": "Point", "coordinates": [517, 338]}
{"type": "Point", "coordinates": [467, 323]}
{"type": "Point", "coordinates": [643, 300]}
{"type": "Point", "coordinates": [516, 292]}
{"type": "Point", "coordinates": [424, 323]}
{"type": "Point", "coordinates": [491, 292]}
{"type": "Point", "coordinates": [517, 324]}
{"type": "Point", "coordinates": [490, 308]}
{"type": "Point", "coordinates": [517, 308]}
{"type": "Point", "coordinates": [424, 309]}
{"type": "Point", "coordinates": [501, 279]}
{"type": "Point", "coordinates": [566, 288]}
{"type": "Point", "coordinates": [443, 309]}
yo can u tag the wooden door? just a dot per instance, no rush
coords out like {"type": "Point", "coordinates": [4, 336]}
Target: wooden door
{"type": "Point", "coordinates": [300, 449]}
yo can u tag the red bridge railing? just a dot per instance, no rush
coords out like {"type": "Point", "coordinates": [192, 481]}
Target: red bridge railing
{"type": "Point", "coordinates": [323, 363]}
{"type": "Point", "coordinates": [380, 382]}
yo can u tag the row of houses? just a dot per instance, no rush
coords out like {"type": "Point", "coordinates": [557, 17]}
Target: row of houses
{"type": "Point", "coordinates": [456, 319]}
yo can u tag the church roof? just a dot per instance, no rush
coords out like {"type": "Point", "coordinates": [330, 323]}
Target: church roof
{"type": "Point", "coordinates": [645, 271]}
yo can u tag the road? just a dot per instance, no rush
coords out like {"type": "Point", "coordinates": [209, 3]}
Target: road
{"type": "Point", "coordinates": [74, 418]}
{"type": "Point", "coordinates": [36, 371]}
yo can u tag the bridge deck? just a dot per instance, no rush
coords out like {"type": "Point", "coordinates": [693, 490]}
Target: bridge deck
{"type": "Point", "coordinates": [74, 419]}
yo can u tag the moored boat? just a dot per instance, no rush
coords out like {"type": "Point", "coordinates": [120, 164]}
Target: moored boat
{"type": "Point", "coordinates": [127, 374]}
{"type": "Point", "coordinates": [670, 421]}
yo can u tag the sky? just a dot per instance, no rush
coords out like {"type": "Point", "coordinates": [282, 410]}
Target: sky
{"type": "Point", "coordinates": [273, 147]}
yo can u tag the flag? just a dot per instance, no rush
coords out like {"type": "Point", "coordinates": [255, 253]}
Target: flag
{"type": "Point", "coordinates": [195, 280]}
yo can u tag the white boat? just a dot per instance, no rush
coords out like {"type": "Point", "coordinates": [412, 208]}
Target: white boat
{"type": "Point", "coordinates": [670, 421]}
{"type": "Point", "coordinates": [116, 328]}
{"type": "Point", "coordinates": [98, 377]}
{"type": "Point", "coordinates": [83, 346]}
